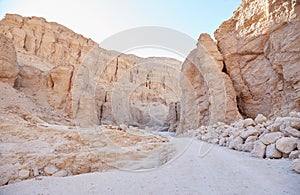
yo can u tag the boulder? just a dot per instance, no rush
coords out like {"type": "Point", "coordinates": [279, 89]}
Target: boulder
{"type": "Point", "coordinates": [50, 169]}
{"type": "Point", "coordinates": [248, 122]}
{"type": "Point", "coordinates": [260, 119]}
{"type": "Point", "coordinates": [24, 174]}
{"type": "Point", "coordinates": [270, 138]}
{"type": "Point", "coordinates": [259, 149]}
{"type": "Point", "coordinates": [286, 144]}
{"type": "Point", "coordinates": [294, 154]}
{"type": "Point", "coordinates": [272, 152]}
{"type": "Point", "coordinates": [296, 165]}
{"type": "Point", "coordinates": [290, 131]}
{"type": "Point", "coordinates": [251, 131]}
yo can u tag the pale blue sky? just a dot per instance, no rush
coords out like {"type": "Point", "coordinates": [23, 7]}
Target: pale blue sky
{"type": "Point", "coordinates": [99, 19]}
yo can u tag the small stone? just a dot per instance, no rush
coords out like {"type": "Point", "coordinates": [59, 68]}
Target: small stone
{"type": "Point", "coordinates": [251, 139]}
{"type": "Point", "coordinates": [271, 138]}
{"type": "Point", "coordinates": [293, 114]}
{"type": "Point", "coordinates": [24, 174]}
{"type": "Point", "coordinates": [61, 173]}
{"type": "Point", "coordinates": [124, 127]}
{"type": "Point", "coordinates": [259, 149]}
{"type": "Point", "coordinates": [296, 165]}
{"type": "Point", "coordinates": [251, 131]}
{"type": "Point", "coordinates": [36, 172]}
{"type": "Point", "coordinates": [294, 154]}
{"type": "Point", "coordinates": [222, 141]}
{"type": "Point", "coordinates": [272, 152]}
{"type": "Point", "coordinates": [236, 143]}
{"type": "Point", "coordinates": [286, 144]}
{"type": "Point", "coordinates": [248, 147]}
{"type": "Point", "coordinates": [289, 131]}
{"type": "Point", "coordinates": [249, 122]}
{"type": "Point", "coordinates": [50, 169]}
{"type": "Point", "coordinates": [259, 119]}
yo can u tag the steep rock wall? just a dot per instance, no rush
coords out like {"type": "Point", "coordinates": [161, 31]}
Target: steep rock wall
{"type": "Point", "coordinates": [260, 46]}
{"type": "Point", "coordinates": [72, 73]}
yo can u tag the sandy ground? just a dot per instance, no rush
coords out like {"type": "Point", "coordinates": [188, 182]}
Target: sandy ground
{"type": "Point", "coordinates": [221, 171]}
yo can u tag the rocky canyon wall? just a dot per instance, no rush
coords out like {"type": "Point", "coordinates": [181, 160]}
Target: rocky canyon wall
{"type": "Point", "coordinates": [252, 69]}
{"type": "Point", "coordinates": [69, 72]}
{"type": "Point", "coordinates": [261, 49]}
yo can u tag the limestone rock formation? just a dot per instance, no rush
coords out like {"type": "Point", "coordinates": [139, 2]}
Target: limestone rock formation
{"type": "Point", "coordinates": [8, 61]}
{"type": "Point", "coordinates": [260, 47]}
{"type": "Point", "coordinates": [72, 73]}
{"type": "Point", "coordinates": [208, 94]}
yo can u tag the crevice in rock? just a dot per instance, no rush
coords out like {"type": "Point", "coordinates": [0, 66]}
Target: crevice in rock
{"type": "Point", "coordinates": [224, 68]}
{"type": "Point", "coordinates": [116, 71]}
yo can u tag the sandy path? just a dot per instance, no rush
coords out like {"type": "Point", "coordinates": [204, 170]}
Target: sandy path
{"type": "Point", "coordinates": [221, 171]}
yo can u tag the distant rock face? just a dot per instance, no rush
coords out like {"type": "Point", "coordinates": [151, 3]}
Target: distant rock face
{"type": "Point", "coordinates": [8, 61]}
{"type": "Point", "coordinates": [72, 73]}
{"type": "Point", "coordinates": [260, 47]}
{"type": "Point", "coordinates": [208, 95]}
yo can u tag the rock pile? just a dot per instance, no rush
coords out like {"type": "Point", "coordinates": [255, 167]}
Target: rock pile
{"type": "Point", "coordinates": [277, 138]}
{"type": "Point", "coordinates": [31, 150]}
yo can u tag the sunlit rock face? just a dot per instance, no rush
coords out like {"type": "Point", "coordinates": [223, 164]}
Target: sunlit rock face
{"type": "Point", "coordinates": [71, 73]}
{"type": "Point", "coordinates": [260, 47]}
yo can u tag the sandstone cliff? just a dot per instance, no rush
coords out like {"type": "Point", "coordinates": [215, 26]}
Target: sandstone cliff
{"type": "Point", "coordinates": [254, 68]}
{"type": "Point", "coordinates": [260, 46]}
{"type": "Point", "coordinates": [72, 73]}
{"type": "Point", "coordinates": [208, 95]}
{"type": "Point", "coordinates": [8, 61]}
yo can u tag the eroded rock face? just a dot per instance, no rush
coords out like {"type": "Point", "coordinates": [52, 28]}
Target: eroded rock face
{"type": "Point", "coordinates": [72, 73]}
{"type": "Point", "coordinates": [260, 47]}
{"type": "Point", "coordinates": [8, 61]}
{"type": "Point", "coordinates": [208, 94]}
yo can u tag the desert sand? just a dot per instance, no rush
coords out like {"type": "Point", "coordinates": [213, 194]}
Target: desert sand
{"type": "Point", "coordinates": [221, 171]}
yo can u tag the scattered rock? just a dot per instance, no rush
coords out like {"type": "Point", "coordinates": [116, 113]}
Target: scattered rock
{"type": "Point", "coordinates": [24, 174]}
{"type": "Point", "coordinates": [294, 154]}
{"type": "Point", "coordinates": [286, 144]}
{"type": "Point", "coordinates": [260, 119]}
{"type": "Point", "coordinates": [248, 147]}
{"type": "Point", "coordinates": [290, 131]}
{"type": "Point", "coordinates": [236, 143]}
{"type": "Point", "coordinates": [61, 173]}
{"type": "Point", "coordinates": [259, 149]}
{"type": "Point", "coordinates": [272, 152]}
{"type": "Point", "coordinates": [249, 122]}
{"type": "Point", "coordinates": [271, 138]}
{"type": "Point", "coordinates": [50, 170]}
{"type": "Point", "coordinates": [296, 165]}
{"type": "Point", "coordinates": [251, 131]}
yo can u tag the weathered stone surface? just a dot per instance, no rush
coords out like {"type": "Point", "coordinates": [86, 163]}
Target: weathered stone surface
{"type": "Point", "coordinates": [61, 173]}
{"type": "Point", "coordinates": [260, 47]}
{"type": "Point", "coordinates": [294, 154]}
{"type": "Point", "coordinates": [286, 144]}
{"type": "Point", "coordinates": [249, 132]}
{"type": "Point", "coordinates": [24, 174]}
{"type": "Point", "coordinates": [208, 95]}
{"type": "Point", "coordinates": [271, 138]}
{"type": "Point", "coordinates": [289, 131]}
{"type": "Point", "coordinates": [8, 61]}
{"type": "Point", "coordinates": [296, 165]}
{"type": "Point", "coordinates": [259, 150]}
{"type": "Point", "coordinates": [50, 170]}
{"type": "Point", "coordinates": [249, 122]}
{"type": "Point", "coordinates": [72, 73]}
{"type": "Point", "coordinates": [259, 119]}
{"type": "Point", "coordinates": [236, 143]}
{"type": "Point", "coordinates": [272, 152]}
{"type": "Point", "coordinates": [248, 147]}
